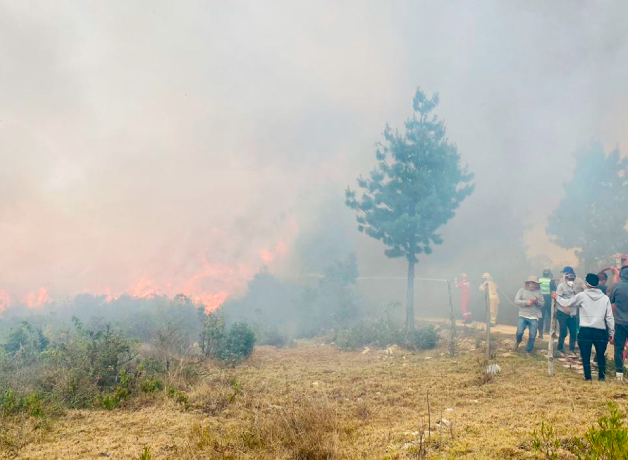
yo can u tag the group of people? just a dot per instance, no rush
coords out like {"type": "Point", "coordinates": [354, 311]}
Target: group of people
{"type": "Point", "coordinates": [587, 310]}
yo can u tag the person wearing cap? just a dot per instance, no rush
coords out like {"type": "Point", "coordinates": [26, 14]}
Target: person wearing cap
{"type": "Point", "coordinates": [465, 295]}
{"type": "Point", "coordinates": [597, 324]}
{"type": "Point", "coordinates": [579, 285]}
{"type": "Point", "coordinates": [619, 300]}
{"type": "Point", "coordinates": [530, 301]}
{"type": "Point", "coordinates": [548, 285]}
{"type": "Point", "coordinates": [566, 317]}
{"type": "Point", "coordinates": [489, 287]}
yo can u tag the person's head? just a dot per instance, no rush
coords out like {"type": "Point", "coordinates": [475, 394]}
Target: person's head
{"type": "Point", "coordinates": [532, 283]}
{"type": "Point", "coordinates": [567, 270]}
{"type": "Point", "coordinates": [592, 280]}
{"type": "Point", "coordinates": [547, 273]}
{"type": "Point", "coordinates": [570, 278]}
{"type": "Point", "coordinates": [603, 278]}
{"type": "Point", "coordinates": [486, 276]}
{"type": "Point", "coordinates": [463, 276]}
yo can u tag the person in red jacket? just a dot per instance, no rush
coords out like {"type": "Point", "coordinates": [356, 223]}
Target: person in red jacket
{"type": "Point", "coordinates": [465, 296]}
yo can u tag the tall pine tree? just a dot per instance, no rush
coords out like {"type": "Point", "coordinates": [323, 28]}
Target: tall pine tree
{"type": "Point", "coordinates": [413, 191]}
{"type": "Point", "coordinates": [592, 216]}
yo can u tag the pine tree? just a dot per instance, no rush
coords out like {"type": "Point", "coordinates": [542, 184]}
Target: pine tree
{"type": "Point", "coordinates": [413, 191]}
{"type": "Point", "coordinates": [592, 216]}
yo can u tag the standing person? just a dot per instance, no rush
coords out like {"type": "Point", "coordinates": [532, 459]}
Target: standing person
{"type": "Point", "coordinates": [619, 299]}
{"type": "Point", "coordinates": [566, 317]}
{"type": "Point", "coordinates": [579, 284]}
{"type": "Point", "coordinates": [465, 295]}
{"type": "Point", "coordinates": [597, 325]}
{"type": "Point", "coordinates": [548, 285]}
{"type": "Point", "coordinates": [488, 285]}
{"type": "Point", "coordinates": [603, 280]}
{"type": "Point", "coordinates": [530, 301]}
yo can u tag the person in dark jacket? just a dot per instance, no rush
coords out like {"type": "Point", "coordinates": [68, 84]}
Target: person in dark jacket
{"type": "Point", "coordinates": [603, 280]}
{"type": "Point", "coordinates": [619, 299]}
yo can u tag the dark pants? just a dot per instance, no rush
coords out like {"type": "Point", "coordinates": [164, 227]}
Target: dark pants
{"type": "Point", "coordinates": [566, 322]}
{"type": "Point", "coordinates": [621, 332]}
{"type": "Point", "coordinates": [598, 338]}
{"type": "Point", "coordinates": [546, 319]}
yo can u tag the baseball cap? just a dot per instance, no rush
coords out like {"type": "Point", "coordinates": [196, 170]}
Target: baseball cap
{"type": "Point", "coordinates": [567, 270]}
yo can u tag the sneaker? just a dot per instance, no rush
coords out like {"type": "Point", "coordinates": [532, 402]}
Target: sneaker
{"type": "Point", "coordinates": [619, 376]}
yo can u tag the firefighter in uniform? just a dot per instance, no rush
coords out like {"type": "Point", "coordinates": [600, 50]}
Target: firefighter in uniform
{"type": "Point", "coordinates": [489, 287]}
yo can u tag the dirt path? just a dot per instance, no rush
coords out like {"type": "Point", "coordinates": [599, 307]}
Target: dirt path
{"type": "Point", "coordinates": [573, 363]}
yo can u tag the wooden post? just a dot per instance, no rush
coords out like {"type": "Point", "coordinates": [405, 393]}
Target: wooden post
{"type": "Point", "coordinates": [452, 337]}
{"type": "Point", "coordinates": [550, 346]}
{"type": "Point", "coordinates": [488, 322]}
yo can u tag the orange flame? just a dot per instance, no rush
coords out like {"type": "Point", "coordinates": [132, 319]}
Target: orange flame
{"type": "Point", "coordinates": [37, 299]}
{"type": "Point", "coordinates": [5, 300]}
{"type": "Point", "coordinates": [144, 289]}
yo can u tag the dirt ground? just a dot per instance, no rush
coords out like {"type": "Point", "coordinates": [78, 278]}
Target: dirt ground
{"type": "Point", "coordinates": [365, 405]}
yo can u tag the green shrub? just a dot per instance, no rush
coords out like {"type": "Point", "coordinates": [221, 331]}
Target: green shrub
{"type": "Point", "coordinates": [608, 440]}
{"type": "Point", "coordinates": [145, 454]}
{"type": "Point", "coordinates": [232, 346]}
{"type": "Point", "coordinates": [180, 397]}
{"type": "Point", "coordinates": [239, 343]}
{"type": "Point", "coordinates": [382, 334]}
{"type": "Point", "coordinates": [35, 404]}
{"type": "Point", "coordinates": [423, 338]}
{"type": "Point", "coordinates": [152, 386]}
{"type": "Point", "coordinates": [25, 342]}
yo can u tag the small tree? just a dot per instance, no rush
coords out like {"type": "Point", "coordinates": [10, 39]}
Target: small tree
{"type": "Point", "coordinates": [413, 191]}
{"type": "Point", "coordinates": [592, 216]}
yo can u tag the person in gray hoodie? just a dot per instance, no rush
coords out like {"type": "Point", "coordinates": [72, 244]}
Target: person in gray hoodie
{"type": "Point", "coordinates": [530, 302]}
{"type": "Point", "coordinates": [619, 299]}
{"type": "Point", "coordinates": [597, 324]}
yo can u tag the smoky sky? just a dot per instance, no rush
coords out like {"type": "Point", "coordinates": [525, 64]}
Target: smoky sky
{"type": "Point", "coordinates": [188, 143]}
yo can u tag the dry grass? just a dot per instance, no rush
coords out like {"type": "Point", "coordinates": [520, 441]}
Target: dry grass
{"type": "Point", "coordinates": [314, 402]}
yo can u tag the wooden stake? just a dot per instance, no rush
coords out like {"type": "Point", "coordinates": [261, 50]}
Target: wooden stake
{"type": "Point", "coordinates": [550, 346]}
{"type": "Point", "coordinates": [452, 337]}
{"type": "Point", "coordinates": [488, 323]}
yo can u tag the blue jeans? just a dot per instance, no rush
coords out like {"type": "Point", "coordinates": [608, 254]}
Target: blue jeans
{"type": "Point", "coordinates": [567, 323]}
{"type": "Point", "coordinates": [533, 325]}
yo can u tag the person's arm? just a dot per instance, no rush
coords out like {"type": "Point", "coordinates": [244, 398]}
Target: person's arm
{"type": "Point", "coordinates": [568, 303]}
{"type": "Point", "coordinates": [519, 300]}
{"type": "Point", "coordinates": [483, 287]}
{"type": "Point", "coordinates": [540, 300]}
{"type": "Point", "coordinates": [552, 286]}
{"type": "Point", "coordinates": [610, 321]}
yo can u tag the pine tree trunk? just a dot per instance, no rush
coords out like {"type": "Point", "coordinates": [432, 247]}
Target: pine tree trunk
{"type": "Point", "coordinates": [410, 298]}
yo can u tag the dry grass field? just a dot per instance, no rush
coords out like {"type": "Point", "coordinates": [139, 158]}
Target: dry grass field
{"type": "Point", "coordinates": [316, 402]}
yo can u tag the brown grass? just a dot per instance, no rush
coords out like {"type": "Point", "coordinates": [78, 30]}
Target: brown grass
{"type": "Point", "coordinates": [314, 402]}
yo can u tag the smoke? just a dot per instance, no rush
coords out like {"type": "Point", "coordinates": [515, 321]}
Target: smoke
{"type": "Point", "coordinates": [154, 148]}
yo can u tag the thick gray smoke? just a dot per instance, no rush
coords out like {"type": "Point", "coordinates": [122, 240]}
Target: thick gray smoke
{"type": "Point", "coordinates": [178, 147]}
